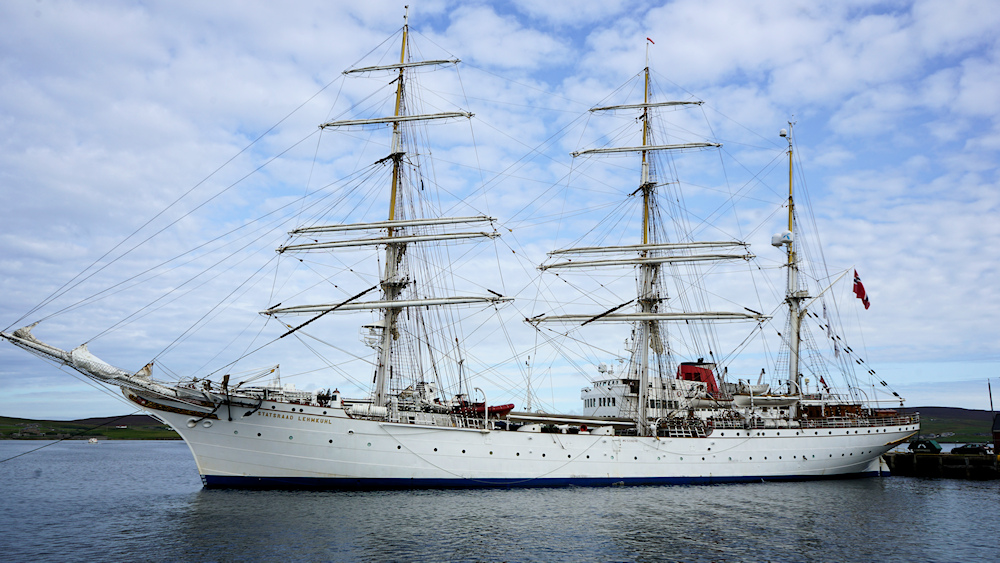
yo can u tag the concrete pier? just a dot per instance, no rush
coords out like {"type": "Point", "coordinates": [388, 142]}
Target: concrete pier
{"type": "Point", "coordinates": [947, 466]}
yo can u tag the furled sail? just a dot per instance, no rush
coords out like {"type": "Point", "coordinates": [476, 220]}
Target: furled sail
{"type": "Point", "coordinates": [83, 361]}
{"type": "Point", "coordinates": [392, 224]}
{"type": "Point", "coordinates": [398, 66]}
{"type": "Point", "coordinates": [369, 305]}
{"type": "Point", "coordinates": [646, 247]}
{"type": "Point", "coordinates": [646, 260]}
{"type": "Point", "coordinates": [645, 148]}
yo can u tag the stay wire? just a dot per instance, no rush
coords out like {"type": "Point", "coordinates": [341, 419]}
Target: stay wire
{"type": "Point", "coordinates": [77, 279]}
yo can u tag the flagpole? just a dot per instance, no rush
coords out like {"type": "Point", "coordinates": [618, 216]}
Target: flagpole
{"type": "Point", "coordinates": [991, 393]}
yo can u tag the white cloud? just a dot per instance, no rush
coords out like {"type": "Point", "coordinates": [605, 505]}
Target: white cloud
{"type": "Point", "coordinates": [110, 111]}
{"type": "Point", "coordinates": [578, 13]}
{"type": "Point", "coordinates": [490, 39]}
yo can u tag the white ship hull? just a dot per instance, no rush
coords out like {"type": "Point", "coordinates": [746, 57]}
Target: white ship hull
{"type": "Point", "coordinates": [298, 446]}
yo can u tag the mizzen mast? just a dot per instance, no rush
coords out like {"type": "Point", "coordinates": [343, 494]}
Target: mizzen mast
{"type": "Point", "coordinates": [793, 296]}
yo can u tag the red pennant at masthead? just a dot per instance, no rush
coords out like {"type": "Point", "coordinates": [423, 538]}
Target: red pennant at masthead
{"type": "Point", "coordinates": [859, 290]}
{"type": "Point", "coordinates": [651, 41]}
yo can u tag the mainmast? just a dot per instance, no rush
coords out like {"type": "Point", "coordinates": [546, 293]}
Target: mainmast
{"type": "Point", "coordinates": [649, 255]}
{"type": "Point", "coordinates": [391, 282]}
{"type": "Point", "coordinates": [647, 301]}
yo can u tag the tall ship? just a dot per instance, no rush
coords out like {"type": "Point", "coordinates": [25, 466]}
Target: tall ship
{"type": "Point", "coordinates": [655, 418]}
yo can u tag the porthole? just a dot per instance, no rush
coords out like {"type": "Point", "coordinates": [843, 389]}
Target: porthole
{"type": "Point", "coordinates": [324, 412]}
{"type": "Point", "coordinates": [331, 441]}
{"type": "Point", "coordinates": [588, 457]}
{"type": "Point", "coordinates": [289, 437]}
{"type": "Point", "coordinates": [543, 455]}
{"type": "Point", "coordinates": [435, 449]}
{"type": "Point", "coordinates": [369, 444]}
{"type": "Point", "coordinates": [491, 453]}
{"type": "Point", "coordinates": [636, 458]}
{"type": "Point", "coordinates": [463, 451]}
{"type": "Point", "coordinates": [236, 431]}
{"type": "Point", "coordinates": [272, 407]}
{"type": "Point", "coordinates": [518, 454]}
{"type": "Point", "coordinates": [703, 459]}
{"type": "Point", "coordinates": [399, 447]}
{"type": "Point", "coordinates": [569, 456]}
{"type": "Point", "coordinates": [258, 434]}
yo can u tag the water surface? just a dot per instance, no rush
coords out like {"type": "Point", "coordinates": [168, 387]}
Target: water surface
{"type": "Point", "coordinates": [120, 501]}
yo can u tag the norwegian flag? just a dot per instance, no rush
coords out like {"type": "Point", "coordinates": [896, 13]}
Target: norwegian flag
{"type": "Point", "coordinates": [859, 290]}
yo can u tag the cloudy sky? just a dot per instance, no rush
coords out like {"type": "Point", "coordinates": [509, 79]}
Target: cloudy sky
{"type": "Point", "coordinates": [122, 119]}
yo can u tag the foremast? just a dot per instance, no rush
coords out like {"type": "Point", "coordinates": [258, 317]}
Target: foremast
{"type": "Point", "coordinates": [397, 233]}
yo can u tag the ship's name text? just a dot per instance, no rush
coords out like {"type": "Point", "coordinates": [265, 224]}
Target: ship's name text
{"type": "Point", "coordinates": [294, 417]}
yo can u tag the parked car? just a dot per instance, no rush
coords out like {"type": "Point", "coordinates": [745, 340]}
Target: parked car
{"type": "Point", "coordinates": [971, 449]}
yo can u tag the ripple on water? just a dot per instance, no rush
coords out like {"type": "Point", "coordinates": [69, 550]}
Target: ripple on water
{"type": "Point", "coordinates": [143, 500]}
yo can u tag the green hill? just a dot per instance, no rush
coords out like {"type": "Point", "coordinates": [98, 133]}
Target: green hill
{"type": "Point", "coordinates": [945, 424]}
{"type": "Point", "coordinates": [950, 424]}
{"type": "Point", "coordinates": [130, 427]}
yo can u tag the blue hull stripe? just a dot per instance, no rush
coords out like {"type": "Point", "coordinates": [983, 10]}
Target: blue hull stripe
{"type": "Point", "coordinates": [314, 483]}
